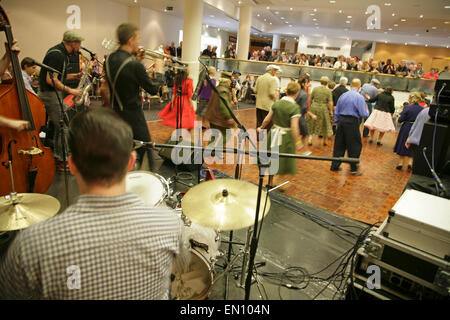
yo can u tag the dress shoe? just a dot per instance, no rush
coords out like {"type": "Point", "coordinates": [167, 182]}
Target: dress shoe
{"type": "Point", "coordinates": [336, 169]}
{"type": "Point", "coordinates": [399, 167]}
{"type": "Point", "coordinates": [356, 173]}
{"type": "Point", "coordinates": [370, 141]}
{"type": "Point", "coordinates": [379, 143]}
{"type": "Point", "coordinates": [409, 167]}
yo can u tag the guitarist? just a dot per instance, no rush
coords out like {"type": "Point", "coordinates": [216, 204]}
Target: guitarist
{"type": "Point", "coordinates": [57, 58]}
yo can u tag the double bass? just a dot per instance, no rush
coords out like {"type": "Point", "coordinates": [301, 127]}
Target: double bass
{"type": "Point", "coordinates": [33, 165]}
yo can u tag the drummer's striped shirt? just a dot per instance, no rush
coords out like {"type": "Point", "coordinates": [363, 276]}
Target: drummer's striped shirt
{"type": "Point", "coordinates": [98, 248]}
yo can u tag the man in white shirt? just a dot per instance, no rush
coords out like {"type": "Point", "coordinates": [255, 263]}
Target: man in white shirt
{"type": "Point", "coordinates": [340, 64]}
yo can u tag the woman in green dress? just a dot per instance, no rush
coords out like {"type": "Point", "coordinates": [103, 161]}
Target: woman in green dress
{"type": "Point", "coordinates": [285, 132]}
{"type": "Point", "coordinates": [321, 104]}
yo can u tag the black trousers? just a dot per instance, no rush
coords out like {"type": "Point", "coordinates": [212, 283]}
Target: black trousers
{"type": "Point", "coordinates": [136, 119]}
{"type": "Point", "coordinates": [348, 138]}
{"type": "Point", "coordinates": [366, 130]}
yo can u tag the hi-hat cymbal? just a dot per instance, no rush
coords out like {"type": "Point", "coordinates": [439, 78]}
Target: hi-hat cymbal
{"type": "Point", "coordinates": [21, 210]}
{"type": "Point", "coordinates": [224, 204]}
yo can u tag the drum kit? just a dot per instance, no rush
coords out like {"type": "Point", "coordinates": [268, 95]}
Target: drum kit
{"type": "Point", "coordinates": [206, 210]}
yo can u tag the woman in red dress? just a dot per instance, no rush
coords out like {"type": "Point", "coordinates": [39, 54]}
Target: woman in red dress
{"type": "Point", "coordinates": [185, 111]}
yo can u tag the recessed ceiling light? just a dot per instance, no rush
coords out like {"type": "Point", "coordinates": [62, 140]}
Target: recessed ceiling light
{"type": "Point", "coordinates": [390, 29]}
{"type": "Point", "coordinates": [276, 12]}
{"type": "Point", "coordinates": [447, 7]}
{"type": "Point", "coordinates": [265, 19]}
{"type": "Point", "coordinates": [312, 14]}
{"type": "Point", "coordinates": [349, 17]}
{"type": "Point", "coordinates": [315, 10]}
{"type": "Point", "coordinates": [340, 11]}
{"type": "Point", "coordinates": [385, 42]}
{"type": "Point", "coordinates": [332, 1]}
{"type": "Point", "coordinates": [291, 9]}
{"type": "Point", "coordinates": [421, 16]}
{"type": "Point", "coordinates": [387, 4]}
{"type": "Point", "coordinates": [393, 14]}
{"type": "Point", "coordinates": [446, 22]}
{"type": "Point", "coordinates": [403, 20]}
{"type": "Point", "coordinates": [434, 28]}
{"type": "Point", "coordinates": [258, 15]}
{"type": "Point", "coordinates": [347, 21]}
{"type": "Point", "coordinates": [282, 18]}
{"type": "Point", "coordinates": [395, 25]}
{"type": "Point", "coordinates": [314, 19]}
{"type": "Point", "coordinates": [406, 43]}
{"type": "Point", "coordinates": [270, 23]}
{"type": "Point", "coordinates": [267, 8]}
{"type": "Point", "coordinates": [426, 45]}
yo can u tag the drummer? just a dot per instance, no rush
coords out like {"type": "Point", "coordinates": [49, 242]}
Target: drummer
{"type": "Point", "coordinates": [109, 244]}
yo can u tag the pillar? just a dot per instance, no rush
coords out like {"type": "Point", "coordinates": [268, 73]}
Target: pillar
{"type": "Point", "coordinates": [134, 15]}
{"type": "Point", "coordinates": [192, 33]}
{"type": "Point", "coordinates": [276, 42]}
{"type": "Point", "coordinates": [245, 24]}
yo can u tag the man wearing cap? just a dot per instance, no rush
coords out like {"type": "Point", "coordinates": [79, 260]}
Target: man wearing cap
{"type": "Point", "coordinates": [235, 85]}
{"type": "Point", "coordinates": [217, 113]}
{"type": "Point", "coordinates": [57, 57]}
{"type": "Point", "coordinates": [265, 90]}
{"type": "Point", "coordinates": [369, 91]}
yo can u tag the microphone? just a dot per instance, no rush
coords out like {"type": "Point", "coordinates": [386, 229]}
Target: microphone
{"type": "Point", "coordinates": [46, 67]}
{"type": "Point", "coordinates": [89, 51]}
{"type": "Point", "coordinates": [140, 144]}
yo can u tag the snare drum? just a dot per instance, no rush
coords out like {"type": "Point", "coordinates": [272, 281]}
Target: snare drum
{"type": "Point", "coordinates": [150, 187]}
{"type": "Point", "coordinates": [196, 282]}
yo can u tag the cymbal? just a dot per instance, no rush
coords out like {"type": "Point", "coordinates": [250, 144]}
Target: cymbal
{"type": "Point", "coordinates": [224, 204]}
{"type": "Point", "coordinates": [21, 210]}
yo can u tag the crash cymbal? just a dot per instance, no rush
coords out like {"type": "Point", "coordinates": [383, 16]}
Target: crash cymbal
{"type": "Point", "coordinates": [223, 204]}
{"type": "Point", "coordinates": [21, 210]}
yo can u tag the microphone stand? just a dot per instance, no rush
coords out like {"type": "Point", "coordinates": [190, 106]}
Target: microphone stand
{"type": "Point", "coordinates": [63, 120]}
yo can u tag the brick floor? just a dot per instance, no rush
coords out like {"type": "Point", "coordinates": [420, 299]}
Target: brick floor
{"type": "Point", "coordinates": [366, 198]}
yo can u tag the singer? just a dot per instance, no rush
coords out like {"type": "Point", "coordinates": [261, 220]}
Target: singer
{"type": "Point", "coordinates": [57, 57]}
{"type": "Point", "coordinates": [125, 75]}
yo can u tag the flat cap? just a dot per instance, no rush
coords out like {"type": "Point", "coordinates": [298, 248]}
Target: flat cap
{"type": "Point", "coordinates": [375, 81]}
{"type": "Point", "coordinates": [71, 36]}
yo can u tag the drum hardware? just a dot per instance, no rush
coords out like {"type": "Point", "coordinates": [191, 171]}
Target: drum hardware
{"type": "Point", "coordinates": [21, 210]}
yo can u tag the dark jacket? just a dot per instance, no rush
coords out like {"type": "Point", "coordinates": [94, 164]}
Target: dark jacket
{"type": "Point", "coordinates": [217, 113]}
{"type": "Point", "coordinates": [337, 92]}
{"type": "Point", "coordinates": [385, 102]}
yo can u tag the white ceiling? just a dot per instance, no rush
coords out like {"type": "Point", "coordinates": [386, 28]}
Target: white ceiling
{"type": "Point", "coordinates": [296, 17]}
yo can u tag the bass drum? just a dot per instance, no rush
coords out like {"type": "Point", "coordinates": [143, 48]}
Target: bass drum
{"type": "Point", "coordinates": [195, 282]}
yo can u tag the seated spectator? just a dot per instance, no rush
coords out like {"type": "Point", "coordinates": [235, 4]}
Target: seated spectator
{"type": "Point", "coordinates": [419, 72]}
{"type": "Point", "coordinates": [433, 75]}
{"type": "Point", "coordinates": [445, 70]}
{"type": "Point", "coordinates": [207, 52]}
{"type": "Point", "coordinates": [365, 66]}
{"type": "Point", "coordinates": [411, 69]}
{"type": "Point", "coordinates": [214, 52]}
{"type": "Point", "coordinates": [389, 67]}
{"type": "Point", "coordinates": [326, 63]}
{"type": "Point", "coordinates": [402, 69]}
{"type": "Point", "coordinates": [374, 67]}
{"type": "Point", "coordinates": [381, 67]}
{"type": "Point", "coordinates": [304, 61]}
{"type": "Point", "coordinates": [340, 64]}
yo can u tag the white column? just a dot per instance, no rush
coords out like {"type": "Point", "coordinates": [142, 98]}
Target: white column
{"type": "Point", "coordinates": [276, 42]}
{"type": "Point", "coordinates": [192, 33]}
{"type": "Point", "coordinates": [134, 15]}
{"type": "Point", "coordinates": [245, 24]}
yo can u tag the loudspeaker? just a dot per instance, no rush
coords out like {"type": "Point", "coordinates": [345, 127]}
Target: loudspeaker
{"type": "Point", "coordinates": [194, 159]}
{"type": "Point", "coordinates": [441, 90]}
{"type": "Point", "coordinates": [441, 150]}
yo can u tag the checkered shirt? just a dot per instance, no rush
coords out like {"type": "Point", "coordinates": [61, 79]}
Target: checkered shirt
{"type": "Point", "coordinates": [122, 249]}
